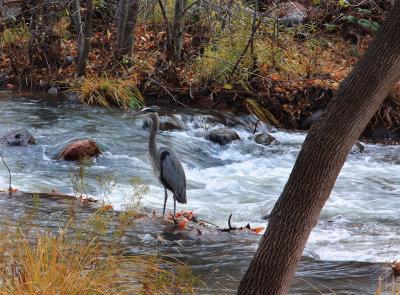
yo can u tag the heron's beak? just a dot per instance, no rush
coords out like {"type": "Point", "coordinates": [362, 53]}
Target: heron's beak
{"type": "Point", "coordinates": [135, 114]}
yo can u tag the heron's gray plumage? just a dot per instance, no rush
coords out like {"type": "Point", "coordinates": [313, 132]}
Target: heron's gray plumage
{"type": "Point", "coordinates": [172, 173]}
{"type": "Point", "coordinates": [166, 164]}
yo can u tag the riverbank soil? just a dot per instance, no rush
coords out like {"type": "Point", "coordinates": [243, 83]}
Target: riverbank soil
{"type": "Point", "coordinates": [282, 63]}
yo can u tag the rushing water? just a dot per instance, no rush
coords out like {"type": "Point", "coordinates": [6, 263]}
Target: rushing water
{"type": "Point", "coordinates": [358, 229]}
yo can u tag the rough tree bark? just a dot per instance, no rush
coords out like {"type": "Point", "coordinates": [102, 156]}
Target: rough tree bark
{"type": "Point", "coordinates": [84, 36]}
{"type": "Point", "coordinates": [126, 22]}
{"type": "Point", "coordinates": [320, 160]}
{"type": "Point", "coordinates": [76, 15]}
{"type": "Point", "coordinates": [178, 27]}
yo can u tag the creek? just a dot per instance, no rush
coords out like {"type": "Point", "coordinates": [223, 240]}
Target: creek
{"type": "Point", "coordinates": [359, 227]}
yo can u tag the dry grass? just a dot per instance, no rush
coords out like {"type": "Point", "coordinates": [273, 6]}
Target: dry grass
{"type": "Point", "coordinates": [109, 92]}
{"type": "Point", "coordinates": [38, 262]}
{"type": "Point", "coordinates": [58, 264]}
{"type": "Point", "coordinates": [262, 113]}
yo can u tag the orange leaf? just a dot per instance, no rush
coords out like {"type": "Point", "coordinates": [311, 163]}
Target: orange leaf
{"type": "Point", "coordinates": [108, 35]}
{"type": "Point", "coordinates": [264, 68]}
{"type": "Point", "coordinates": [182, 224]}
{"type": "Point", "coordinates": [274, 76]}
{"type": "Point", "coordinates": [109, 207]}
{"type": "Point", "coordinates": [258, 229]}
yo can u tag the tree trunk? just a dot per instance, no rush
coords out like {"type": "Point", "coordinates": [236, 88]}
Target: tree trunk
{"type": "Point", "coordinates": [126, 26]}
{"type": "Point", "coordinates": [76, 15]}
{"type": "Point", "coordinates": [178, 27]}
{"type": "Point", "coordinates": [323, 154]}
{"type": "Point", "coordinates": [85, 49]}
{"type": "Point", "coordinates": [120, 17]}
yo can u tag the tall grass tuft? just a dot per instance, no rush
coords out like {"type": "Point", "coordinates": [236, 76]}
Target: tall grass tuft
{"type": "Point", "coordinates": [45, 263]}
{"type": "Point", "coordinates": [108, 92]}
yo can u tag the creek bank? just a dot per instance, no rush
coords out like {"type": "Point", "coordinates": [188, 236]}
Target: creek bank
{"type": "Point", "coordinates": [293, 110]}
{"type": "Point", "coordinates": [48, 206]}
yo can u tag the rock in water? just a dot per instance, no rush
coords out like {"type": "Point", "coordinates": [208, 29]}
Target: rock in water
{"type": "Point", "coordinates": [79, 149]}
{"type": "Point", "coordinates": [166, 124]}
{"type": "Point", "coordinates": [264, 138]}
{"type": "Point", "coordinates": [19, 137]}
{"type": "Point", "coordinates": [222, 136]}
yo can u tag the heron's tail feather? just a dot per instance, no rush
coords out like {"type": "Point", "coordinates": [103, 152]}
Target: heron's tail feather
{"type": "Point", "coordinates": [181, 198]}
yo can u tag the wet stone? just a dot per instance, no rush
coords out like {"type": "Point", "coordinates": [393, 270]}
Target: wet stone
{"type": "Point", "coordinates": [222, 136]}
{"type": "Point", "coordinates": [79, 149]}
{"type": "Point", "coordinates": [19, 137]}
{"type": "Point", "coordinates": [264, 138]}
{"type": "Point", "coordinates": [167, 123]}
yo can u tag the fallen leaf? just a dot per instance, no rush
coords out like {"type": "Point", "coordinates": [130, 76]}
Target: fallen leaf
{"type": "Point", "coordinates": [182, 224]}
{"type": "Point", "coordinates": [258, 229]}
{"type": "Point", "coordinates": [264, 68]}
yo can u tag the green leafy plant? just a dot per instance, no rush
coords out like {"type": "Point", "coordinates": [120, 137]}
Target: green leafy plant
{"type": "Point", "coordinates": [78, 175]}
{"type": "Point", "coordinates": [133, 200]}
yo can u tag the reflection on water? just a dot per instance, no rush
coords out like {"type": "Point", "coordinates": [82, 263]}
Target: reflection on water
{"type": "Point", "coordinates": [359, 225]}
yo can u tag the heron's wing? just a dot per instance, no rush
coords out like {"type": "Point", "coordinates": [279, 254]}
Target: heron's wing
{"type": "Point", "coordinates": [172, 174]}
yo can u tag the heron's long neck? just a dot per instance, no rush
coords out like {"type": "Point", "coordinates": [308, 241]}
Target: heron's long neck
{"type": "Point", "coordinates": [152, 138]}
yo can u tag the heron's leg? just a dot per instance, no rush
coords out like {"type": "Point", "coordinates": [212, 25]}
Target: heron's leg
{"type": "Point", "coordinates": [165, 200]}
{"type": "Point", "coordinates": [174, 205]}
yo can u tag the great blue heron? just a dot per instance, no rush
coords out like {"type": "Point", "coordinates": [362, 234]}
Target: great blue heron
{"type": "Point", "coordinates": [165, 162]}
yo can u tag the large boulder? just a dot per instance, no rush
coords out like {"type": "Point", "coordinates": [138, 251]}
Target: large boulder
{"type": "Point", "coordinates": [222, 136]}
{"type": "Point", "coordinates": [264, 139]}
{"type": "Point", "coordinates": [19, 137]}
{"type": "Point", "coordinates": [291, 14]}
{"type": "Point", "coordinates": [167, 123]}
{"type": "Point", "coordinates": [79, 149]}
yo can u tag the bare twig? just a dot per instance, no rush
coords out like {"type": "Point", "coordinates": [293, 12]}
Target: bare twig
{"type": "Point", "coordinates": [190, 6]}
{"type": "Point", "coordinates": [229, 223]}
{"type": "Point", "coordinates": [174, 99]}
{"type": "Point", "coordinates": [245, 50]}
{"type": "Point", "coordinates": [239, 68]}
{"type": "Point", "coordinates": [10, 189]}
{"type": "Point", "coordinates": [167, 28]}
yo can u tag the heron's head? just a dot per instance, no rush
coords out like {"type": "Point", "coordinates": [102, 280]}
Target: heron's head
{"type": "Point", "coordinates": [144, 112]}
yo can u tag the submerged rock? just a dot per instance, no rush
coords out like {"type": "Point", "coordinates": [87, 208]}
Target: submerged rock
{"type": "Point", "coordinates": [357, 148]}
{"type": "Point", "coordinates": [167, 123]}
{"type": "Point", "coordinates": [19, 137]}
{"type": "Point", "coordinates": [79, 149]}
{"type": "Point", "coordinates": [264, 138]}
{"type": "Point", "coordinates": [222, 136]}
{"type": "Point", "coordinates": [53, 90]}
